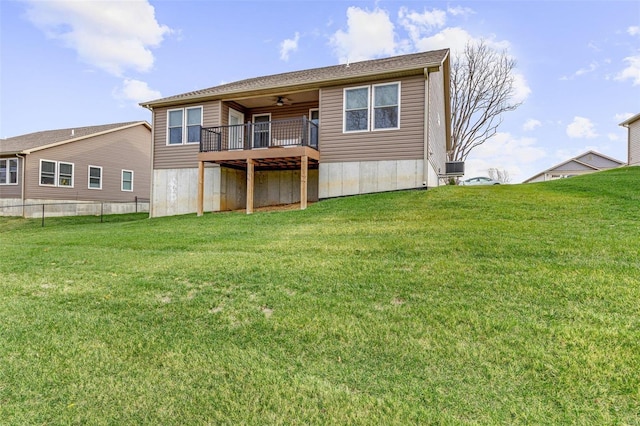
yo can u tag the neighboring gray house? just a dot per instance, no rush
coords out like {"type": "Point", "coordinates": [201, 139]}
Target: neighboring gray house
{"type": "Point", "coordinates": [66, 167]}
{"type": "Point", "coordinates": [363, 127]}
{"type": "Point", "coordinates": [633, 140]}
{"type": "Point", "coordinates": [583, 164]}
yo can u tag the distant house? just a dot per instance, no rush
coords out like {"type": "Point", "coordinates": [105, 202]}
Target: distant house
{"type": "Point", "coordinates": [363, 127]}
{"type": "Point", "coordinates": [588, 162]}
{"type": "Point", "coordinates": [633, 140]}
{"type": "Point", "coordinates": [67, 167]}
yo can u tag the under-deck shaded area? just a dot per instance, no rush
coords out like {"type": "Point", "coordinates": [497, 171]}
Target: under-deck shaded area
{"type": "Point", "coordinates": [290, 144]}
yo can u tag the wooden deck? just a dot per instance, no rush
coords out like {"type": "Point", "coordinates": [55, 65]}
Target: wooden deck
{"type": "Point", "coordinates": [272, 158]}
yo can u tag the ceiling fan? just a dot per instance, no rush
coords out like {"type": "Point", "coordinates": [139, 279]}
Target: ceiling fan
{"type": "Point", "coordinates": [281, 100]}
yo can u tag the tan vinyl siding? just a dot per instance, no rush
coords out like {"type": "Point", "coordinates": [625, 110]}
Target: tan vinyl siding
{"type": "Point", "coordinates": [634, 143]}
{"type": "Point", "coordinates": [437, 121]}
{"type": "Point", "coordinates": [404, 143]}
{"type": "Point", "coordinates": [180, 156]}
{"type": "Point", "coordinates": [284, 112]}
{"type": "Point", "coordinates": [126, 149]}
{"type": "Point", "coordinates": [13, 191]}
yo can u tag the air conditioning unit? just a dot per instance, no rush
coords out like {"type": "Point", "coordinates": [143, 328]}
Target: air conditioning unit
{"type": "Point", "coordinates": [454, 168]}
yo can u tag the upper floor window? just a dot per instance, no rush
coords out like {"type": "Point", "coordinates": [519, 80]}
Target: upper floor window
{"type": "Point", "coordinates": [56, 173]}
{"type": "Point", "coordinates": [379, 103]}
{"type": "Point", "coordinates": [183, 125]}
{"type": "Point", "coordinates": [95, 177]}
{"type": "Point", "coordinates": [9, 171]}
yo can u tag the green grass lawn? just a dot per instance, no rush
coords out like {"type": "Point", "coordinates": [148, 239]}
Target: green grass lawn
{"type": "Point", "coordinates": [490, 305]}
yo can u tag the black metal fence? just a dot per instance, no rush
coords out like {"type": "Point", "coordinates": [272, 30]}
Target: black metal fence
{"type": "Point", "coordinates": [85, 208]}
{"type": "Point", "coordinates": [277, 133]}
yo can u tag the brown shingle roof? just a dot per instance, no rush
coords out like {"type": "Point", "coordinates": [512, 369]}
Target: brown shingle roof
{"type": "Point", "coordinates": [35, 140]}
{"type": "Point", "coordinates": [314, 77]}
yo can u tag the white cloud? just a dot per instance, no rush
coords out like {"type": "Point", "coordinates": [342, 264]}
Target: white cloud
{"type": "Point", "coordinates": [619, 118]}
{"type": "Point", "coordinates": [289, 45]}
{"type": "Point", "coordinates": [521, 89]}
{"type": "Point", "coordinates": [581, 127]}
{"type": "Point", "coordinates": [632, 71]}
{"type": "Point", "coordinates": [454, 38]}
{"type": "Point", "coordinates": [136, 91]}
{"type": "Point", "coordinates": [372, 34]}
{"type": "Point", "coordinates": [417, 24]}
{"type": "Point", "coordinates": [506, 152]}
{"type": "Point", "coordinates": [460, 11]}
{"type": "Point", "coordinates": [369, 35]}
{"type": "Point", "coordinates": [633, 30]}
{"type": "Point", "coordinates": [592, 67]}
{"type": "Point", "coordinates": [113, 36]}
{"type": "Point", "coordinates": [613, 137]}
{"type": "Point", "coordinates": [531, 124]}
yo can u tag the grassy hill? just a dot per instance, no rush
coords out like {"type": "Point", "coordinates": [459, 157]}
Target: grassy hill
{"type": "Point", "coordinates": [515, 304]}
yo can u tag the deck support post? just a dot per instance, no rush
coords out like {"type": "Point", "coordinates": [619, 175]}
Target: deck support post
{"type": "Point", "coordinates": [304, 171]}
{"type": "Point", "coordinates": [200, 188]}
{"type": "Point", "coordinates": [250, 183]}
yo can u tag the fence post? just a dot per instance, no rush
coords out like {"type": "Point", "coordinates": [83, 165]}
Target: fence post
{"type": "Point", "coordinates": [43, 215]}
{"type": "Point", "coordinates": [101, 211]}
{"type": "Point", "coordinates": [136, 204]}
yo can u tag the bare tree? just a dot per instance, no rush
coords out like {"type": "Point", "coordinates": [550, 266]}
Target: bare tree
{"type": "Point", "coordinates": [501, 176]}
{"type": "Point", "coordinates": [482, 85]}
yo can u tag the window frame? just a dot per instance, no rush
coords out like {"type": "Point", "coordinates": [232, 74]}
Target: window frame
{"type": "Point", "coordinates": [122, 180]}
{"type": "Point", "coordinates": [373, 106]}
{"type": "Point", "coordinates": [8, 162]}
{"type": "Point", "coordinates": [89, 177]}
{"type": "Point", "coordinates": [55, 173]}
{"type": "Point", "coordinates": [344, 109]}
{"type": "Point", "coordinates": [184, 125]}
{"type": "Point", "coordinates": [59, 175]}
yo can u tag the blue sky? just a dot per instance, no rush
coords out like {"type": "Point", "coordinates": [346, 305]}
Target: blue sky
{"type": "Point", "coordinates": [78, 63]}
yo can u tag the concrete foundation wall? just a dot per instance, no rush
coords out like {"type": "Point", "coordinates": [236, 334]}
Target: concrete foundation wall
{"type": "Point", "coordinates": [362, 177]}
{"type": "Point", "coordinates": [176, 190]}
{"type": "Point", "coordinates": [33, 208]}
{"type": "Point", "coordinates": [8, 207]}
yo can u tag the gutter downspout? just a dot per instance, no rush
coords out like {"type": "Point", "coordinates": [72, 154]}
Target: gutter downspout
{"type": "Point", "coordinates": [22, 181]}
{"type": "Point", "coordinates": [151, 175]}
{"type": "Point", "coordinates": [425, 160]}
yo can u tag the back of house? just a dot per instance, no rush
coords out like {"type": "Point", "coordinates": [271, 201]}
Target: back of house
{"type": "Point", "coordinates": [370, 126]}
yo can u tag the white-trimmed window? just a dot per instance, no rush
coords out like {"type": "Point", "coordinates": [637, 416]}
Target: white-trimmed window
{"type": "Point", "coordinates": [56, 173]}
{"type": "Point", "coordinates": [183, 125]}
{"type": "Point", "coordinates": [65, 174]}
{"type": "Point", "coordinates": [375, 107]}
{"type": "Point", "coordinates": [356, 109]}
{"type": "Point", "coordinates": [127, 180]}
{"type": "Point", "coordinates": [386, 106]}
{"type": "Point", "coordinates": [8, 171]}
{"type": "Point", "coordinates": [95, 177]}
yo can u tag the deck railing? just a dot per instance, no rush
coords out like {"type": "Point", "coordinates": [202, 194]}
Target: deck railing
{"type": "Point", "coordinates": [276, 133]}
